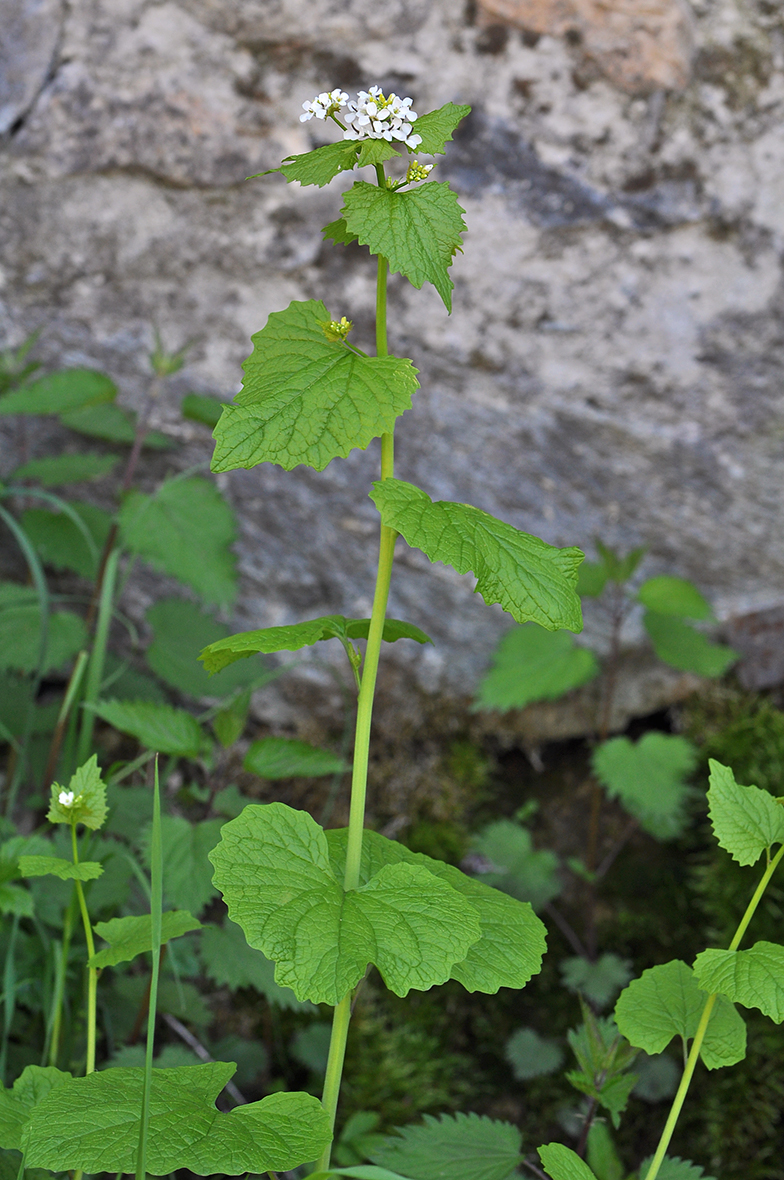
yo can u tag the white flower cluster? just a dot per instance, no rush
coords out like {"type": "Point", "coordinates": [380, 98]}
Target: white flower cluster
{"type": "Point", "coordinates": [324, 104]}
{"type": "Point", "coordinates": [65, 798]}
{"type": "Point", "coordinates": [375, 116]}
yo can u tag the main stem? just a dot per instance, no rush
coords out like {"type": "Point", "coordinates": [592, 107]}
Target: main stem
{"type": "Point", "coordinates": [342, 1014]}
{"type": "Point", "coordinates": [702, 1027]}
{"type": "Point", "coordinates": [92, 976]}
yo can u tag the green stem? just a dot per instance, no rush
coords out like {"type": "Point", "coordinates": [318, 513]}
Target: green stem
{"type": "Point", "coordinates": [92, 972]}
{"type": "Point", "coordinates": [60, 977]}
{"type": "Point", "coordinates": [156, 907]}
{"type": "Point", "coordinates": [702, 1027]}
{"type": "Point", "coordinates": [356, 823]}
{"type": "Point", "coordinates": [97, 657]}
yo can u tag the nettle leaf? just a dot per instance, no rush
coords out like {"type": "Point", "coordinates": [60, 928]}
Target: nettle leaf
{"type": "Point", "coordinates": [16, 1104]}
{"type": "Point", "coordinates": [61, 543]}
{"type": "Point", "coordinates": [649, 779]}
{"type": "Point", "coordinates": [320, 165]}
{"type": "Point", "coordinates": [220, 654]}
{"type": "Point", "coordinates": [746, 820]}
{"type": "Point", "coordinates": [680, 646]}
{"type": "Point", "coordinates": [230, 962]}
{"type": "Point", "coordinates": [674, 596]}
{"type": "Point", "coordinates": [532, 1056]}
{"type": "Point", "coordinates": [187, 881]}
{"type": "Point", "coordinates": [460, 1146]}
{"type": "Point", "coordinates": [89, 798]}
{"type": "Point", "coordinates": [202, 407]}
{"type": "Point", "coordinates": [436, 127]}
{"type": "Point", "coordinates": [185, 529]}
{"type": "Point", "coordinates": [62, 469]}
{"type": "Point", "coordinates": [599, 982]}
{"type": "Point", "coordinates": [307, 399]}
{"type": "Point", "coordinates": [562, 1163]}
{"type": "Point", "coordinates": [92, 1124]}
{"type": "Point", "coordinates": [513, 939]}
{"type": "Point", "coordinates": [532, 664]}
{"type": "Point", "coordinates": [514, 866]}
{"type": "Point", "coordinates": [158, 727]}
{"type": "Point", "coordinates": [129, 937]}
{"type": "Point", "coordinates": [275, 758]}
{"type": "Point", "coordinates": [20, 638]}
{"type": "Point", "coordinates": [753, 978]}
{"type": "Point", "coordinates": [418, 230]}
{"type": "Point", "coordinates": [273, 868]}
{"type": "Point", "coordinates": [55, 866]}
{"type": "Point", "coordinates": [667, 1001]}
{"type": "Point", "coordinates": [532, 580]}
{"type": "Point", "coordinates": [113, 424]}
{"type": "Point", "coordinates": [180, 632]}
{"type": "Point", "coordinates": [674, 1168]}
{"type": "Point", "coordinates": [66, 390]}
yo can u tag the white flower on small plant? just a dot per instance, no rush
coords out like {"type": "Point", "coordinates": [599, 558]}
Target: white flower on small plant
{"type": "Point", "coordinates": [324, 104]}
{"type": "Point", "coordinates": [374, 115]}
{"type": "Point", "coordinates": [65, 798]}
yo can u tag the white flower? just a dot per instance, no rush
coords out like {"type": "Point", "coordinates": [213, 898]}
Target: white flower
{"type": "Point", "coordinates": [65, 798]}
{"type": "Point", "coordinates": [324, 104]}
{"type": "Point", "coordinates": [373, 115]}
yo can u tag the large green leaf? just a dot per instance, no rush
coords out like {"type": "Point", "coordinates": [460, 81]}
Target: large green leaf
{"type": "Point", "coordinates": [532, 664]}
{"type": "Point", "coordinates": [308, 399]}
{"type": "Point", "coordinates": [20, 638]}
{"type": "Point", "coordinates": [185, 529]}
{"type": "Point", "coordinates": [532, 580]}
{"type": "Point", "coordinates": [61, 543]}
{"type": "Point", "coordinates": [158, 727]}
{"type": "Point", "coordinates": [417, 230]}
{"type": "Point", "coordinates": [753, 978]}
{"type": "Point", "coordinates": [513, 939]}
{"type": "Point", "coordinates": [667, 1001]}
{"type": "Point", "coordinates": [273, 868]}
{"type": "Point", "coordinates": [674, 596]}
{"type": "Point", "coordinates": [680, 646]}
{"type": "Point", "coordinates": [436, 127]}
{"type": "Point", "coordinates": [460, 1147]}
{"type": "Point", "coordinates": [220, 654]}
{"type": "Point", "coordinates": [187, 879]}
{"type": "Point", "coordinates": [274, 758]}
{"type": "Point", "coordinates": [16, 1104]}
{"type": "Point", "coordinates": [56, 866]}
{"type": "Point", "coordinates": [92, 1124]}
{"type": "Point", "coordinates": [66, 390]}
{"type": "Point", "coordinates": [746, 820]}
{"type": "Point", "coordinates": [230, 962]}
{"type": "Point", "coordinates": [129, 937]}
{"type": "Point", "coordinates": [515, 866]}
{"type": "Point", "coordinates": [320, 165]}
{"type": "Point", "coordinates": [61, 469]}
{"type": "Point", "coordinates": [180, 632]}
{"type": "Point", "coordinates": [649, 778]}
{"type": "Point", "coordinates": [562, 1163]}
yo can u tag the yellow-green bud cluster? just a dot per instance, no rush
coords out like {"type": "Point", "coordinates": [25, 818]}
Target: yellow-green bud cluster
{"type": "Point", "coordinates": [417, 171]}
{"type": "Point", "coordinates": [336, 330]}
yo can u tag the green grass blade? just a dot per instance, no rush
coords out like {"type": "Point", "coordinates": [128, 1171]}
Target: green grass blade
{"type": "Point", "coordinates": [97, 658]}
{"type": "Point", "coordinates": [156, 907]}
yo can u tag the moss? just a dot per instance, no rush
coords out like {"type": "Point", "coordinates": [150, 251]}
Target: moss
{"type": "Point", "coordinates": [743, 730]}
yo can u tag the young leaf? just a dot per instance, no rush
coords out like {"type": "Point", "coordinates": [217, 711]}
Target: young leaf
{"type": "Point", "coordinates": [418, 230]}
{"type": "Point", "coordinates": [746, 820]}
{"type": "Point", "coordinates": [112, 424]}
{"type": "Point", "coordinates": [460, 1146]}
{"type": "Point", "coordinates": [185, 529]}
{"type": "Point", "coordinates": [158, 727]}
{"type": "Point", "coordinates": [338, 232]}
{"type": "Point", "coordinates": [531, 664]}
{"type": "Point", "coordinates": [532, 1056]}
{"type": "Point", "coordinates": [375, 151]}
{"type": "Point", "coordinates": [321, 165]}
{"type": "Point", "coordinates": [30, 1088]}
{"type": "Point", "coordinates": [674, 1168]}
{"type": "Point", "coordinates": [275, 758]}
{"type": "Point", "coordinates": [563, 1164]}
{"type": "Point", "coordinates": [599, 982]}
{"type": "Point", "coordinates": [87, 804]}
{"type": "Point", "coordinates": [436, 127]}
{"type": "Point", "coordinates": [188, 883]}
{"type": "Point", "coordinates": [619, 569]}
{"type": "Point", "coordinates": [229, 723]}
{"type": "Point", "coordinates": [62, 469]}
{"type": "Point", "coordinates": [129, 937]}
{"type": "Point", "coordinates": [180, 631]}
{"type": "Point", "coordinates": [674, 596]}
{"type": "Point", "coordinates": [230, 962]}
{"type": "Point", "coordinates": [92, 1124]}
{"type": "Point", "coordinates": [55, 866]}
{"type": "Point", "coordinates": [307, 399]}
{"type": "Point", "coordinates": [59, 392]}
{"type": "Point", "coordinates": [20, 638]}
{"type": "Point", "coordinates": [59, 541]}
{"type": "Point", "coordinates": [602, 1157]}
{"type": "Point", "coordinates": [200, 407]}
{"type": "Point", "coordinates": [532, 580]}
{"type": "Point", "coordinates": [753, 978]}
{"type": "Point", "coordinates": [272, 866]}
{"type": "Point", "coordinates": [680, 646]}
{"type": "Point", "coordinates": [667, 1001]}
{"type": "Point", "coordinates": [514, 866]}
{"type": "Point", "coordinates": [649, 779]}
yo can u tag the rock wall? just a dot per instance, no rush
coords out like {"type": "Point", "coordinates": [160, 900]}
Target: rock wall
{"type": "Point", "coordinates": [613, 363]}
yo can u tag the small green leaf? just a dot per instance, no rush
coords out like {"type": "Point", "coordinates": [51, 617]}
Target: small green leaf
{"type": "Point", "coordinates": [15, 900]}
{"type": "Point", "coordinates": [274, 758]}
{"type": "Point", "coordinates": [61, 543]}
{"type": "Point", "coordinates": [460, 1146]}
{"type": "Point", "coordinates": [592, 577]}
{"type": "Point", "coordinates": [375, 151]}
{"type": "Point", "coordinates": [307, 399]}
{"type": "Point", "coordinates": [532, 1056]}
{"type": "Point", "coordinates": [55, 866]}
{"type": "Point", "coordinates": [158, 727]}
{"type": "Point", "coordinates": [129, 937]}
{"type": "Point", "coordinates": [746, 820]}
{"type": "Point", "coordinates": [674, 1168]}
{"type": "Point", "coordinates": [188, 881]}
{"type": "Point", "coordinates": [16, 1104]}
{"type": "Point", "coordinates": [531, 664]}
{"type": "Point", "coordinates": [436, 127]}
{"type": "Point", "coordinates": [230, 962]}
{"type": "Point", "coordinates": [62, 469]}
{"type": "Point", "coordinates": [674, 596]}
{"type": "Point", "coordinates": [338, 232]}
{"type": "Point", "coordinates": [667, 1001]}
{"type": "Point", "coordinates": [66, 390]}
{"type": "Point", "coordinates": [230, 722]}
{"type": "Point", "coordinates": [603, 1159]}
{"type": "Point", "coordinates": [92, 1124]}
{"type": "Point", "coordinates": [514, 866]}
{"type": "Point", "coordinates": [532, 580]}
{"type": "Point", "coordinates": [180, 631]}
{"type": "Point", "coordinates": [753, 978]}
{"type": "Point", "coordinates": [649, 779]}
{"type": "Point", "coordinates": [20, 638]}
{"type": "Point", "coordinates": [680, 646]}
{"type": "Point", "coordinates": [185, 529]}
{"type": "Point", "coordinates": [322, 164]}
{"type": "Point", "coordinates": [112, 424]}
{"type": "Point", "coordinates": [619, 569]}
{"type": "Point", "coordinates": [84, 802]}
{"type": "Point", "coordinates": [599, 982]}
{"type": "Point", "coordinates": [563, 1164]}
{"type": "Point", "coordinates": [418, 231]}
{"type": "Point", "coordinates": [394, 629]}
{"type": "Point", "coordinates": [200, 407]}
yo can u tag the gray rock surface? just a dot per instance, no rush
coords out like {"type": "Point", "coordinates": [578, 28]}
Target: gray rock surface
{"type": "Point", "coordinates": [613, 363]}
